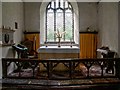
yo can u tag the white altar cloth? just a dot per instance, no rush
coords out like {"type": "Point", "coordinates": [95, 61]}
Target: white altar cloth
{"type": "Point", "coordinates": [56, 49]}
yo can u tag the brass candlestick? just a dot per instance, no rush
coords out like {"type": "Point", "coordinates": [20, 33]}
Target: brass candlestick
{"type": "Point", "coordinates": [70, 42]}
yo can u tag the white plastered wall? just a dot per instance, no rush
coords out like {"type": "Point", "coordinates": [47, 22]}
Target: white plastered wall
{"type": "Point", "coordinates": [11, 12]}
{"type": "Point", "coordinates": [108, 25]}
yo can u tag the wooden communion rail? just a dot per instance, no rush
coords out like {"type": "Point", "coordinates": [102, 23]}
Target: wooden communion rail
{"type": "Point", "coordinates": [85, 74]}
{"type": "Point", "coordinates": [76, 68]}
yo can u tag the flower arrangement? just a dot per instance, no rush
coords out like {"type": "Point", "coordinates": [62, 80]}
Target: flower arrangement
{"type": "Point", "coordinates": [59, 35]}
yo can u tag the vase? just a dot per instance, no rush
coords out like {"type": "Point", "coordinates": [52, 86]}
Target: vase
{"type": "Point", "coordinates": [6, 38]}
{"type": "Point", "coordinates": [59, 39]}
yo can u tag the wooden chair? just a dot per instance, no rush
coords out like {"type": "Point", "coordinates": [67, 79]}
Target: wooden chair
{"type": "Point", "coordinates": [31, 52]}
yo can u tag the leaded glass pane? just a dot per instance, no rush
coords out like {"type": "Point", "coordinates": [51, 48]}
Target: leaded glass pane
{"type": "Point", "coordinates": [68, 25]}
{"type": "Point", "coordinates": [61, 3]}
{"type": "Point", "coordinates": [52, 4]}
{"type": "Point", "coordinates": [70, 6]}
{"type": "Point", "coordinates": [66, 4]}
{"type": "Point", "coordinates": [57, 3]}
{"type": "Point", "coordinates": [50, 25]}
{"type": "Point", "coordinates": [49, 6]}
{"type": "Point", "coordinates": [59, 21]}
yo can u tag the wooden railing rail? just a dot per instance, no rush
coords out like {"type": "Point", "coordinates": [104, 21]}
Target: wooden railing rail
{"type": "Point", "coordinates": [76, 68]}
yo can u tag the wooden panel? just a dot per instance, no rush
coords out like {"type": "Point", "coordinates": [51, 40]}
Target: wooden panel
{"type": "Point", "coordinates": [37, 41]}
{"type": "Point", "coordinates": [35, 38]}
{"type": "Point", "coordinates": [88, 45]}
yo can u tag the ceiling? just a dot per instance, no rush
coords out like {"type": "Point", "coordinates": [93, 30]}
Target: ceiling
{"type": "Point", "coordinates": [68, 0]}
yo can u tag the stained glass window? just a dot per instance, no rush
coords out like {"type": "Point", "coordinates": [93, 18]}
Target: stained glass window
{"type": "Point", "coordinates": [59, 17]}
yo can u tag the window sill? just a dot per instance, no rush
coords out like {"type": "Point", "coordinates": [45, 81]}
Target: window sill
{"type": "Point", "coordinates": [55, 44]}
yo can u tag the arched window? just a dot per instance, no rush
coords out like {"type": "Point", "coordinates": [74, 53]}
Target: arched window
{"type": "Point", "coordinates": [59, 19]}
